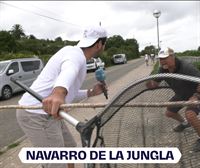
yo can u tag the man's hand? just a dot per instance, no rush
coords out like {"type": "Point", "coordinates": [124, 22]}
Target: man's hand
{"type": "Point", "coordinates": [194, 98]}
{"type": "Point", "coordinates": [152, 84]}
{"type": "Point", "coordinates": [198, 88]}
{"type": "Point", "coordinates": [97, 89]}
{"type": "Point", "coordinates": [52, 103]}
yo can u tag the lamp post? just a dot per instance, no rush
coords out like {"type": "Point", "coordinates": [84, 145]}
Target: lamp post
{"type": "Point", "coordinates": [156, 14]}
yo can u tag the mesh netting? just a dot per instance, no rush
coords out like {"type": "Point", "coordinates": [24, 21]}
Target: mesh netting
{"type": "Point", "coordinates": [148, 126]}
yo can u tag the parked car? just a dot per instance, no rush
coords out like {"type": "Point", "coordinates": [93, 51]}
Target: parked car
{"type": "Point", "coordinates": [25, 69]}
{"type": "Point", "coordinates": [119, 59]}
{"type": "Point", "coordinates": [94, 64]}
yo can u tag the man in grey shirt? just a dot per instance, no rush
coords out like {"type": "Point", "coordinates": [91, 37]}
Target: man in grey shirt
{"type": "Point", "coordinates": [183, 91]}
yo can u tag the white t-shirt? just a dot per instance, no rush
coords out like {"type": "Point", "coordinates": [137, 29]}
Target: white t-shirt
{"type": "Point", "coordinates": [66, 68]}
{"type": "Point", "coordinates": [146, 57]}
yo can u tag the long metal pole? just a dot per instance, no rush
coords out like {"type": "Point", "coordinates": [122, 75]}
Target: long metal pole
{"type": "Point", "coordinates": [74, 122]}
{"type": "Point", "coordinates": [158, 34]}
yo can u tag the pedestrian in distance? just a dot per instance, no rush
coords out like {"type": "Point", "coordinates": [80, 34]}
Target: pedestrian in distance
{"type": "Point", "coordinates": [58, 83]}
{"type": "Point", "coordinates": [152, 58]}
{"type": "Point", "coordinates": [146, 58]}
{"type": "Point", "coordinates": [183, 92]}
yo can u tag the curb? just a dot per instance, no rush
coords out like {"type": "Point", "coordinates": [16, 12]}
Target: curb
{"type": "Point", "coordinates": [6, 148]}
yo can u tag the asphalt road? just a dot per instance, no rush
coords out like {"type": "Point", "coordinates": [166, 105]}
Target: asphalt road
{"type": "Point", "coordinates": [9, 128]}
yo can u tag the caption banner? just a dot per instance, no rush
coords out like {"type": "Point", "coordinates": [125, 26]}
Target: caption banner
{"type": "Point", "coordinates": [99, 155]}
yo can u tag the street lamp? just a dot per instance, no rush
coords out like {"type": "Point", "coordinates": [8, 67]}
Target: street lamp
{"type": "Point", "coordinates": [156, 14]}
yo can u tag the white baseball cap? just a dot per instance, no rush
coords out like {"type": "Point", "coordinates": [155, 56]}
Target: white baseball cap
{"type": "Point", "coordinates": [91, 35]}
{"type": "Point", "coordinates": [165, 53]}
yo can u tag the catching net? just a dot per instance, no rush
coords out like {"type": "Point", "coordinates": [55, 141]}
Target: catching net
{"type": "Point", "coordinates": [121, 126]}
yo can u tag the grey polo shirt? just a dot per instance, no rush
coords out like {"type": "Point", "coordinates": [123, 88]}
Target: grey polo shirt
{"type": "Point", "coordinates": [182, 88]}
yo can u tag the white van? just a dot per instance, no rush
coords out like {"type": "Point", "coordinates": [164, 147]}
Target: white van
{"type": "Point", "coordinates": [25, 70]}
{"type": "Point", "coordinates": [119, 59]}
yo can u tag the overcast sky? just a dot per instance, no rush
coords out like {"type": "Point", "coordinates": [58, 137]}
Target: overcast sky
{"type": "Point", "coordinates": [179, 23]}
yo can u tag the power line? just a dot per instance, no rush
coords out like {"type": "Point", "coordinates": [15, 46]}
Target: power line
{"type": "Point", "coordinates": [42, 9]}
{"type": "Point", "coordinates": [41, 15]}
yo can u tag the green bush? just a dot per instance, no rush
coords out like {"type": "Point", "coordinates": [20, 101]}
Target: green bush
{"type": "Point", "coordinates": [45, 58]}
{"type": "Point", "coordinates": [155, 68]}
{"type": "Point", "coordinates": [8, 56]}
{"type": "Point", "coordinates": [197, 65]}
{"type": "Point", "coordinates": [107, 60]}
{"type": "Point", "coordinates": [189, 53]}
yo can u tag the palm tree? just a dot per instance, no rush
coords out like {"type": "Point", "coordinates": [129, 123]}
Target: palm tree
{"type": "Point", "coordinates": [32, 37]}
{"type": "Point", "coordinates": [17, 31]}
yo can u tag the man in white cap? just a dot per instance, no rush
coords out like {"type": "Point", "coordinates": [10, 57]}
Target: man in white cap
{"type": "Point", "coordinates": [171, 64]}
{"type": "Point", "coordinates": [59, 83]}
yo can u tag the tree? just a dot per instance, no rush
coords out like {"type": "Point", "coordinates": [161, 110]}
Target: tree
{"type": "Point", "coordinates": [7, 42]}
{"type": "Point", "coordinates": [32, 37]}
{"type": "Point", "coordinates": [17, 31]}
{"type": "Point", "coordinates": [149, 50]}
{"type": "Point", "coordinates": [114, 41]}
{"type": "Point", "coordinates": [58, 39]}
{"type": "Point", "coordinates": [131, 48]}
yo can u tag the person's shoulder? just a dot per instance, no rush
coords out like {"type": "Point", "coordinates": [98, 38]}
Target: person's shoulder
{"type": "Point", "coordinates": [74, 53]}
{"type": "Point", "coordinates": [67, 48]}
{"type": "Point", "coordinates": [186, 64]}
{"type": "Point", "coordinates": [71, 50]}
{"type": "Point", "coordinates": [64, 49]}
{"type": "Point", "coordinates": [188, 67]}
{"type": "Point", "coordinates": [181, 63]}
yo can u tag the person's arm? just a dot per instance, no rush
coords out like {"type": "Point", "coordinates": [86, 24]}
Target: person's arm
{"type": "Point", "coordinates": [196, 95]}
{"type": "Point", "coordinates": [151, 84]}
{"type": "Point", "coordinates": [85, 93]}
{"type": "Point", "coordinates": [193, 71]}
{"type": "Point", "coordinates": [64, 81]}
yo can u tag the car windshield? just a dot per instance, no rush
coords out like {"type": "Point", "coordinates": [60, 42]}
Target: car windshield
{"type": "Point", "coordinates": [98, 59]}
{"type": "Point", "coordinates": [3, 66]}
{"type": "Point", "coordinates": [118, 56]}
{"type": "Point", "coordinates": [90, 61]}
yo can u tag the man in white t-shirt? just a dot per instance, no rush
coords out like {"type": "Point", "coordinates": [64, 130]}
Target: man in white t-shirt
{"type": "Point", "coordinates": [146, 59]}
{"type": "Point", "coordinates": [59, 83]}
